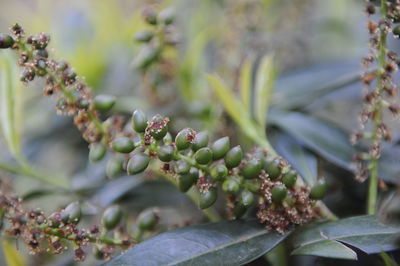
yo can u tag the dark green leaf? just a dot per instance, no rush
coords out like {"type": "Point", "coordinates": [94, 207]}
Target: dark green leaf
{"type": "Point", "coordinates": [363, 232]}
{"type": "Point", "coordinates": [223, 243]}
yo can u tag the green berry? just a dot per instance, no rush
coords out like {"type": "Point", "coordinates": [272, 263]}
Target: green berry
{"type": "Point", "coordinates": [218, 172]}
{"type": "Point", "coordinates": [144, 36]}
{"type": "Point", "coordinates": [137, 163]}
{"type": "Point", "coordinates": [319, 190]}
{"type": "Point", "coordinates": [396, 31]}
{"type": "Point", "coordinates": [200, 140]}
{"type": "Point", "coordinates": [158, 127]}
{"type": "Point", "coordinates": [230, 186]}
{"type": "Point", "coordinates": [186, 181]}
{"type": "Point", "coordinates": [6, 41]}
{"type": "Point", "coordinates": [167, 139]}
{"type": "Point", "coordinates": [40, 53]}
{"type": "Point", "coordinates": [139, 121]}
{"type": "Point", "coordinates": [123, 145]}
{"type": "Point", "coordinates": [167, 16]}
{"type": "Point", "coordinates": [146, 56]}
{"type": "Point", "coordinates": [183, 139]}
{"type": "Point", "coordinates": [114, 167]}
{"type": "Point", "coordinates": [279, 193]}
{"type": "Point", "coordinates": [147, 220]}
{"type": "Point", "coordinates": [96, 151]}
{"type": "Point", "coordinates": [246, 198]}
{"type": "Point", "coordinates": [72, 213]}
{"type": "Point", "coordinates": [208, 198]}
{"type": "Point", "coordinates": [203, 156]}
{"type": "Point", "coordinates": [165, 153]}
{"type": "Point", "coordinates": [251, 169]}
{"type": "Point", "coordinates": [104, 102]}
{"type": "Point", "coordinates": [112, 216]}
{"type": "Point", "coordinates": [234, 157]}
{"type": "Point", "coordinates": [220, 147]}
{"type": "Point", "coordinates": [150, 16]}
{"type": "Point", "coordinates": [273, 169]}
{"type": "Point", "coordinates": [252, 185]}
{"type": "Point", "coordinates": [289, 178]}
{"type": "Point", "coordinates": [182, 167]}
{"type": "Point", "coordinates": [239, 210]}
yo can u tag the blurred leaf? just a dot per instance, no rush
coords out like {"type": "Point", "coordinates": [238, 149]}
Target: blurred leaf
{"type": "Point", "coordinates": [245, 83]}
{"type": "Point", "coordinates": [12, 256]}
{"type": "Point", "coordinates": [388, 260]}
{"type": "Point", "coordinates": [37, 193]}
{"type": "Point", "coordinates": [224, 243]}
{"type": "Point", "coordinates": [363, 232]}
{"type": "Point", "coordinates": [10, 102]}
{"type": "Point", "coordinates": [323, 138]}
{"type": "Point", "coordinates": [300, 159]}
{"type": "Point", "coordinates": [263, 89]}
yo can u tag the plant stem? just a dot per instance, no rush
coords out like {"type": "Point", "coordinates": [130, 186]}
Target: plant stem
{"type": "Point", "coordinates": [374, 163]}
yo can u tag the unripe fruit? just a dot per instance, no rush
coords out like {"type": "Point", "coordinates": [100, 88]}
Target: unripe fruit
{"type": "Point", "coordinates": [150, 15]}
{"type": "Point", "coordinates": [139, 121]}
{"type": "Point", "coordinates": [252, 185]}
{"type": "Point", "coordinates": [54, 219]}
{"type": "Point", "coordinates": [183, 139]}
{"type": "Point", "coordinates": [218, 172]}
{"type": "Point", "coordinates": [147, 220]}
{"type": "Point", "coordinates": [6, 41]}
{"type": "Point", "coordinates": [137, 163]}
{"type": "Point", "coordinates": [114, 167]}
{"type": "Point", "coordinates": [40, 53]}
{"type": "Point", "coordinates": [200, 140]}
{"type": "Point", "coordinates": [396, 31]}
{"type": "Point", "coordinates": [230, 186]}
{"type": "Point", "coordinates": [103, 102]}
{"type": "Point", "coordinates": [72, 213]}
{"type": "Point", "coordinates": [144, 36]}
{"type": "Point", "coordinates": [186, 181]}
{"type": "Point", "coordinates": [112, 216]}
{"type": "Point", "coordinates": [246, 198]}
{"type": "Point", "coordinates": [203, 156]}
{"type": "Point", "coordinates": [251, 169]}
{"type": "Point", "coordinates": [239, 210]}
{"type": "Point", "coordinates": [289, 178]}
{"type": "Point", "coordinates": [123, 145]}
{"type": "Point", "coordinates": [165, 153]}
{"type": "Point", "coordinates": [146, 56]}
{"type": "Point", "coordinates": [167, 139]}
{"type": "Point", "coordinates": [279, 193]}
{"type": "Point", "coordinates": [319, 190]}
{"type": "Point", "coordinates": [208, 198]}
{"type": "Point", "coordinates": [167, 16]}
{"type": "Point", "coordinates": [96, 151]}
{"type": "Point", "coordinates": [182, 167]}
{"type": "Point", "coordinates": [220, 147]}
{"type": "Point", "coordinates": [234, 157]}
{"type": "Point", "coordinates": [158, 127]}
{"type": "Point", "coordinates": [272, 168]}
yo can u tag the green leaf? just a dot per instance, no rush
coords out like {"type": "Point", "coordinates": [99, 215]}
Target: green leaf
{"type": "Point", "coordinates": [388, 260]}
{"type": "Point", "coordinates": [12, 256]}
{"type": "Point", "coordinates": [321, 137]}
{"type": "Point", "coordinates": [245, 84]}
{"type": "Point", "coordinates": [10, 102]}
{"type": "Point", "coordinates": [224, 243]}
{"type": "Point", "coordinates": [363, 232]}
{"type": "Point", "coordinates": [263, 89]}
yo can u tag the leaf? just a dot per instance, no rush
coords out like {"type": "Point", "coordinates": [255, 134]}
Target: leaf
{"type": "Point", "coordinates": [363, 232]}
{"type": "Point", "coordinates": [245, 83]}
{"type": "Point", "coordinates": [12, 256]}
{"type": "Point", "coordinates": [321, 137]}
{"type": "Point", "coordinates": [300, 159]}
{"type": "Point", "coordinates": [224, 243]}
{"type": "Point", "coordinates": [263, 89]}
{"type": "Point", "coordinates": [10, 103]}
{"type": "Point", "coordinates": [388, 260]}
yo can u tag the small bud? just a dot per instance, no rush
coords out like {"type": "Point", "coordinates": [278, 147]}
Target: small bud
{"type": "Point", "coordinates": [218, 172]}
{"type": "Point", "coordinates": [289, 178]}
{"type": "Point", "coordinates": [147, 55]}
{"type": "Point", "coordinates": [139, 121]}
{"type": "Point", "coordinates": [165, 153]}
{"type": "Point", "coordinates": [158, 127]}
{"type": "Point", "coordinates": [123, 145]}
{"type": "Point", "coordinates": [234, 157]}
{"type": "Point", "coordinates": [230, 186]}
{"type": "Point", "coordinates": [279, 193]}
{"type": "Point", "coordinates": [203, 156]}
{"type": "Point", "coordinates": [186, 181]}
{"type": "Point", "coordinates": [114, 167]}
{"type": "Point", "coordinates": [112, 216]}
{"type": "Point", "coordinates": [200, 140]}
{"type": "Point", "coordinates": [150, 15]}
{"type": "Point", "coordinates": [239, 210]}
{"type": "Point", "coordinates": [54, 219]}
{"type": "Point", "coordinates": [96, 151]}
{"type": "Point", "coordinates": [252, 185]}
{"type": "Point", "coordinates": [272, 168]}
{"type": "Point", "coordinates": [167, 16]}
{"type": "Point", "coordinates": [137, 163]}
{"type": "Point", "coordinates": [184, 138]}
{"type": "Point", "coordinates": [144, 36]}
{"type": "Point", "coordinates": [251, 169]}
{"type": "Point", "coordinates": [208, 198]}
{"type": "Point", "coordinates": [246, 198]}
{"type": "Point", "coordinates": [319, 190]}
{"type": "Point", "coordinates": [73, 212]}
{"type": "Point", "coordinates": [167, 139]}
{"type": "Point", "coordinates": [220, 147]}
{"type": "Point", "coordinates": [182, 167]}
{"type": "Point", "coordinates": [103, 102]}
{"type": "Point", "coordinates": [6, 41]}
{"type": "Point", "coordinates": [396, 31]}
{"type": "Point", "coordinates": [41, 53]}
{"type": "Point", "coordinates": [147, 220]}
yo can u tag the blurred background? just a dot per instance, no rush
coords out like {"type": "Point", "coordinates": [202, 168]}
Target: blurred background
{"type": "Point", "coordinates": [316, 46]}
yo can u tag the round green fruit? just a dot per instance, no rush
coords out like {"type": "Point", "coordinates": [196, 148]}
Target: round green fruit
{"type": "Point", "coordinates": [137, 163]}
